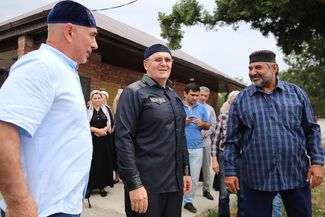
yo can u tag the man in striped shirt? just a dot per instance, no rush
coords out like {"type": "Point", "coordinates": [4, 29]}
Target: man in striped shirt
{"type": "Point", "coordinates": [272, 122]}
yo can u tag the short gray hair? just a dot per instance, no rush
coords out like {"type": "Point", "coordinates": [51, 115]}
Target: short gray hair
{"type": "Point", "coordinates": [204, 89]}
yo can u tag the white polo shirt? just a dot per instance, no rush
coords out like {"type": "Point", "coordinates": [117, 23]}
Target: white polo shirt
{"type": "Point", "coordinates": [43, 96]}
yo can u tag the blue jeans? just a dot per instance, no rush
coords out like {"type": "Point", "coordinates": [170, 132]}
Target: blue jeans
{"type": "Point", "coordinates": [54, 215]}
{"type": "Point", "coordinates": [277, 206]}
{"type": "Point", "coordinates": [195, 158]}
{"type": "Point", "coordinates": [224, 209]}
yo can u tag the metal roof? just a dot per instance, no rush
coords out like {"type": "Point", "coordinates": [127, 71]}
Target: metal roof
{"type": "Point", "coordinates": [129, 38]}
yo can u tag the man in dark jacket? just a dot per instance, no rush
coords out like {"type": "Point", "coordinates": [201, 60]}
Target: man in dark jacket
{"type": "Point", "coordinates": [150, 141]}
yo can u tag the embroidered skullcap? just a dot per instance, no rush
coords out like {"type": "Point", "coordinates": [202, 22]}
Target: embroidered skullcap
{"type": "Point", "coordinates": [71, 12]}
{"type": "Point", "coordinates": [155, 48]}
{"type": "Point", "coordinates": [262, 56]}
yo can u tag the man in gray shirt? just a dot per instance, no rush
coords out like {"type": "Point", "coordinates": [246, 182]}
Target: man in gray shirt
{"type": "Point", "coordinates": [207, 138]}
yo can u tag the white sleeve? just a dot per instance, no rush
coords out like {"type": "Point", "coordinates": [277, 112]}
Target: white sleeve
{"type": "Point", "coordinates": [27, 95]}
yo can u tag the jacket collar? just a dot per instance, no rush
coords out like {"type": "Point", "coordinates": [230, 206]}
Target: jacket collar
{"type": "Point", "coordinates": [151, 82]}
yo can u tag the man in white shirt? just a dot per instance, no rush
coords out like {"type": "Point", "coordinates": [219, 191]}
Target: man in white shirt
{"type": "Point", "coordinates": [45, 137]}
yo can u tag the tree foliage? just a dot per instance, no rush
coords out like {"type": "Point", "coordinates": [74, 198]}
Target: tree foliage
{"type": "Point", "coordinates": [293, 22]}
{"type": "Point", "coordinates": [309, 73]}
{"type": "Point", "coordinates": [298, 26]}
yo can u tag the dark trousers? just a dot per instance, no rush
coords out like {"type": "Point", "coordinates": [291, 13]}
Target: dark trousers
{"type": "Point", "coordinates": [297, 202]}
{"type": "Point", "coordinates": [159, 205]}
{"type": "Point", "coordinates": [54, 215]}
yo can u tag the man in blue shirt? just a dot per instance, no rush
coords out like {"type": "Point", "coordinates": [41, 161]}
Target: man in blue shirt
{"type": "Point", "coordinates": [196, 121]}
{"type": "Point", "coordinates": [273, 125]}
{"type": "Point", "coordinates": [45, 137]}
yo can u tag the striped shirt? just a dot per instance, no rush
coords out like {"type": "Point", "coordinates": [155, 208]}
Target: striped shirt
{"type": "Point", "coordinates": [220, 132]}
{"type": "Point", "coordinates": [276, 133]}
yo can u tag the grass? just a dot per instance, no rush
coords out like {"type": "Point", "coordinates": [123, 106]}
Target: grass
{"type": "Point", "coordinates": [318, 200]}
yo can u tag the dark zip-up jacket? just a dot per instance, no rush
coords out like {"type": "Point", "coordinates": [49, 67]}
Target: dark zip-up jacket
{"type": "Point", "coordinates": [150, 137]}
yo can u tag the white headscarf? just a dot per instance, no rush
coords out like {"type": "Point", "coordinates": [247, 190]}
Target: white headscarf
{"type": "Point", "coordinates": [226, 106]}
{"type": "Point", "coordinates": [103, 92]}
{"type": "Point", "coordinates": [90, 110]}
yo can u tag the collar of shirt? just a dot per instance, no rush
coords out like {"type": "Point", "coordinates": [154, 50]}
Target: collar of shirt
{"type": "Point", "coordinates": [196, 104]}
{"type": "Point", "coordinates": [151, 82]}
{"type": "Point", "coordinates": [61, 55]}
{"type": "Point", "coordinates": [255, 89]}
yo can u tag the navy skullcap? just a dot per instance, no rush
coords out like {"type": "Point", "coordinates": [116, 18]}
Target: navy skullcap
{"type": "Point", "coordinates": [262, 56]}
{"type": "Point", "coordinates": [71, 12]}
{"type": "Point", "coordinates": [155, 48]}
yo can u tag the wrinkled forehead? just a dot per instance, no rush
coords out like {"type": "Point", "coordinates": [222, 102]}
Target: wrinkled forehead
{"type": "Point", "coordinates": [255, 64]}
{"type": "Point", "coordinates": [160, 54]}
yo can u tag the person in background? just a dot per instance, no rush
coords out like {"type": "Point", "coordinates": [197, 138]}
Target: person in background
{"type": "Point", "coordinates": [116, 100]}
{"type": "Point", "coordinates": [277, 206]}
{"type": "Point", "coordinates": [207, 140]}
{"type": "Point", "coordinates": [105, 97]}
{"type": "Point", "coordinates": [196, 121]}
{"type": "Point", "coordinates": [100, 119]}
{"type": "Point", "coordinates": [114, 106]}
{"type": "Point", "coordinates": [272, 122]}
{"type": "Point", "coordinates": [217, 151]}
{"type": "Point", "coordinates": [150, 141]}
{"type": "Point", "coordinates": [45, 138]}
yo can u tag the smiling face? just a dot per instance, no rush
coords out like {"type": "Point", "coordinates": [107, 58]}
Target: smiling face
{"type": "Point", "coordinates": [96, 99]}
{"type": "Point", "coordinates": [263, 74]}
{"type": "Point", "coordinates": [159, 66]}
{"type": "Point", "coordinates": [204, 96]}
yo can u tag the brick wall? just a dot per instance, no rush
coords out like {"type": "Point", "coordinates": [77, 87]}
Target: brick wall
{"type": "Point", "coordinates": [105, 76]}
{"type": "Point", "coordinates": [25, 44]}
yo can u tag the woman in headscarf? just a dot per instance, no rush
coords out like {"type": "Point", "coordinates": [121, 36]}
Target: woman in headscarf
{"type": "Point", "coordinates": [101, 172]}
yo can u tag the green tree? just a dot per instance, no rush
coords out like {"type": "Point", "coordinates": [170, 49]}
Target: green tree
{"type": "Point", "coordinates": [298, 26]}
{"type": "Point", "coordinates": [293, 22]}
{"type": "Point", "coordinates": [309, 74]}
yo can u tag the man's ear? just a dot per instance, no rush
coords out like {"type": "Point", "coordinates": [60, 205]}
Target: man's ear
{"type": "Point", "coordinates": [145, 64]}
{"type": "Point", "coordinates": [275, 67]}
{"type": "Point", "coordinates": [68, 31]}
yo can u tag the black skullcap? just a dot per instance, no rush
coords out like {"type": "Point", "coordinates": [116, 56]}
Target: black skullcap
{"type": "Point", "coordinates": [262, 56]}
{"type": "Point", "coordinates": [155, 48]}
{"type": "Point", "coordinates": [71, 12]}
